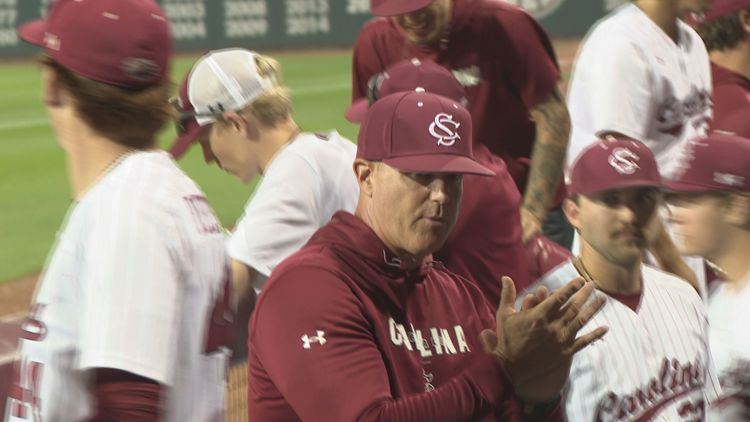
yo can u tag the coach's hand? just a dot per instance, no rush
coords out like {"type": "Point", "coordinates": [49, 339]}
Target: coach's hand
{"type": "Point", "coordinates": [536, 344]}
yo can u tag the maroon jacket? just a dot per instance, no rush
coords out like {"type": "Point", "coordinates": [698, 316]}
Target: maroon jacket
{"type": "Point", "coordinates": [731, 101]}
{"type": "Point", "coordinates": [342, 333]}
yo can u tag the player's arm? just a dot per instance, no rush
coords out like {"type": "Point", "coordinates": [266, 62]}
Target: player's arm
{"type": "Point", "coordinates": [531, 69]}
{"type": "Point", "coordinates": [121, 396]}
{"type": "Point", "coordinates": [547, 160]}
{"type": "Point", "coordinates": [243, 302]}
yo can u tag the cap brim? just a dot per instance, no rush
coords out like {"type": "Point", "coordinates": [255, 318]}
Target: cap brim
{"type": "Point", "coordinates": [438, 163]}
{"type": "Point", "coordinates": [626, 184]}
{"type": "Point", "coordinates": [357, 111]}
{"type": "Point", "coordinates": [676, 186]}
{"type": "Point", "coordinates": [182, 143]}
{"type": "Point", "coordinates": [33, 32]}
{"type": "Point", "coordinates": [398, 7]}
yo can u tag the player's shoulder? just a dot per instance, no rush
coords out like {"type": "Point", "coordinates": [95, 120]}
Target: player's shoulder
{"type": "Point", "coordinates": [693, 42]}
{"type": "Point", "coordinates": [554, 279]}
{"type": "Point", "coordinates": [320, 152]}
{"type": "Point", "coordinates": [670, 283]}
{"type": "Point", "coordinates": [311, 270]}
{"type": "Point", "coordinates": [144, 178]}
{"type": "Point", "coordinates": [375, 27]}
{"type": "Point", "coordinates": [321, 144]}
{"type": "Point", "coordinates": [616, 27]}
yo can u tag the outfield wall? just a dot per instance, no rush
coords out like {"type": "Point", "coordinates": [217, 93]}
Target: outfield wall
{"type": "Point", "coordinates": [200, 25]}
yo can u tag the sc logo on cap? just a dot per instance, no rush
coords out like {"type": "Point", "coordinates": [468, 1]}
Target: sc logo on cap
{"type": "Point", "coordinates": [624, 161]}
{"type": "Point", "coordinates": [445, 129]}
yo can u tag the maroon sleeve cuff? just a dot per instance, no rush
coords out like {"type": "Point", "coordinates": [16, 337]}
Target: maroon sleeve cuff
{"type": "Point", "coordinates": [491, 379]}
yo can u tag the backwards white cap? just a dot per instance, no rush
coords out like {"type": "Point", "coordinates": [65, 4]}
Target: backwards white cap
{"type": "Point", "coordinates": [224, 80]}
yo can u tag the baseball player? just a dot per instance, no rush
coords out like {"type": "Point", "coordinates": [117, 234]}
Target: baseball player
{"type": "Point", "coordinates": [644, 74]}
{"type": "Point", "coordinates": [491, 203]}
{"type": "Point", "coordinates": [233, 102]}
{"type": "Point", "coordinates": [725, 29]}
{"type": "Point", "coordinates": [130, 319]}
{"type": "Point", "coordinates": [655, 363]}
{"type": "Point", "coordinates": [361, 323]}
{"type": "Point", "coordinates": [507, 65]}
{"type": "Point", "coordinates": [710, 211]}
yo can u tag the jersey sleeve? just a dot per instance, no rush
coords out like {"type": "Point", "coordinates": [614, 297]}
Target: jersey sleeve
{"type": "Point", "coordinates": [131, 291]}
{"type": "Point", "coordinates": [620, 82]}
{"type": "Point", "coordinates": [527, 56]}
{"type": "Point", "coordinates": [342, 358]}
{"type": "Point", "coordinates": [280, 217]}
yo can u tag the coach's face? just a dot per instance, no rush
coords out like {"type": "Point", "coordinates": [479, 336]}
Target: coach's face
{"type": "Point", "coordinates": [412, 213]}
{"type": "Point", "coordinates": [426, 25]}
{"type": "Point", "coordinates": [617, 224]}
{"type": "Point", "coordinates": [697, 220]}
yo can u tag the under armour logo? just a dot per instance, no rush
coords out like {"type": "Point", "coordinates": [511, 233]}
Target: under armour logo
{"type": "Point", "coordinates": [624, 161]}
{"type": "Point", "coordinates": [391, 261]}
{"type": "Point", "coordinates": [445, 129]}
{"type": "Point", "coordinates": [319, 338]}
{"type": "Point", "coordinates": [729, 179]}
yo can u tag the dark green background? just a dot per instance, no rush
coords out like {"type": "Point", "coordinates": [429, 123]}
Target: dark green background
{"type": "Point", "coordinates": [277, 24]}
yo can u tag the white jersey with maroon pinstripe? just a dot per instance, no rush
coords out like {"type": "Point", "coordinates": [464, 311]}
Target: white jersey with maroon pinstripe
{"type": "Point", "coordinates": [654, 364]}
{"type": "Point", "coordinates": [631, 77]}
{"type": "Point", "coordinates": [729, 314]}
{"type": "Point", "coordinates": [135, 282]}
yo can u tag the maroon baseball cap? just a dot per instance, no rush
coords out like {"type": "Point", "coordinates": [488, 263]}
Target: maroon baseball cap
{"type": "Point", "coordinates": [409, 75]}
{"type": "Point", "coordinates": [419, 132]}
{"type": "Point", "coordinates": [387, 8]}
{"type": "Point", "coordinates": [188, 129]}
{"type": "Point", "coordinates": [125, 43]}
{"type": "Point", "coordinates": [721, 8]}
{"type": "Point", "coordinates": [717, 161]}
{"type": "Point", "coordinates": [613, 164]}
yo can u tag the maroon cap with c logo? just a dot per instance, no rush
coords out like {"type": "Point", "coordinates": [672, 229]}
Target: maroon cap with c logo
{"type": "Point", "coordinates": [612, 164]}
{"type": "Point", "coordinates": [419, 132]}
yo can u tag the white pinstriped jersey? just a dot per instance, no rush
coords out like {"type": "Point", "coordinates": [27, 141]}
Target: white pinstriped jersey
{"type": "Point", "coordinates": [654, 364]}
{"type": "Point", "coordinates": [134, 281]}
{"type": "Point", "coordinates": [728, 314]}
{"type": "Point", "coordinates": [631, 77]}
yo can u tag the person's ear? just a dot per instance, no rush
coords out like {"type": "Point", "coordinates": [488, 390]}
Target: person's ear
{"type": "Point", "coordinates": [364, 171]}
{"type": "Point", "coordinates": [52, 92]}
{"type": "Point", "coordinates": [246, 126]}
{"type": "Point", "coordinates": [571, 209]}
{"type": "Point", "coordinates": [744, 16]}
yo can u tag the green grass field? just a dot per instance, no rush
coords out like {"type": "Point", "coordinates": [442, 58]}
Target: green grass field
{"type": "Point", "coordinates": [34, 192]}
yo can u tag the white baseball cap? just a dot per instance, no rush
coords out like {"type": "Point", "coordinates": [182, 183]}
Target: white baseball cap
{"type": "Point", "coordinates": [224, 80]}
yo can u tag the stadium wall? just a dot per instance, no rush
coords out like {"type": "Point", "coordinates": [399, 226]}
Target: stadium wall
{"type": "Point", "coordinates": [200, 25]}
